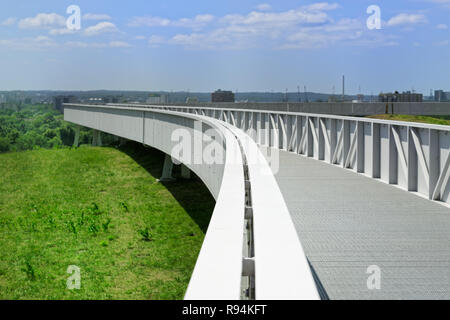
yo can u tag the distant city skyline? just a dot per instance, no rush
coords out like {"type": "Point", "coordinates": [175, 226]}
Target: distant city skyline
{"type": "Point", "coordinates": [201, 46]}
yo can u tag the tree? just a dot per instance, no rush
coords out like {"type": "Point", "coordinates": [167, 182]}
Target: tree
{"type": "Point", "coordinates": [4, 144]}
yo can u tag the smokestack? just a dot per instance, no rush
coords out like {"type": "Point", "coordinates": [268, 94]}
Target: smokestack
{"type": "Point", "coordinates": [343, 88]}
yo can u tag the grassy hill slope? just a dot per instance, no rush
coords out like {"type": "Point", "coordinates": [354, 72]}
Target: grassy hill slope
{"type": "Point", "coordinates": [102, 210]}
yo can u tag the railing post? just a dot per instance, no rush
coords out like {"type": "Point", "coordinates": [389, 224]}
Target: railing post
{"type": "Point", "coordinates": [412, 162]}
{"type": "Point", "coordinates": [320, 140]}
{"type": "Point", "coordinates": [333, 138]}
{"type": "Point", "coordinates": [376, 145]}
{"type": "Point", "coordinates": [258, 128]}
{"type": "Point", "coordinates": [345, 140]}
{"type": "Point", "coordinates": [309, 138]}
{"type": "Point", "coordinates": [360, 146]}
{"type": "Point", "coordinates": [393, 162]}
{"type": "Point", "coordinates": [267, 133]}
{"type": "Point", "coordinates": [434, 165]}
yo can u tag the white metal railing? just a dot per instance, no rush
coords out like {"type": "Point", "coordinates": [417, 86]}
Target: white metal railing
{"type": "Point", "coordinates": [275, 262]}
{"type": "Point", "coordinates": [413, 156]}
{"type": "Point", "coordinates": [218, 270]}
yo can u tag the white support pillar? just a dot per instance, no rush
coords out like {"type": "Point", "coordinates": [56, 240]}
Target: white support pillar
{"type": "Point", "coordinates": [99, 139]}
{"type": "Point", "coordinates": [185, 172]}
{"type": "Point", "coordinates": [167, 170]}
{"type": "Point", "coordinates": [94, 138]}
{"type": "Point", "coordinates": [76, 140]}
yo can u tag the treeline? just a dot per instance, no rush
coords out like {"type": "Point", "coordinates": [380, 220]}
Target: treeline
{"type": "Point", "coordinates": [25, 127]}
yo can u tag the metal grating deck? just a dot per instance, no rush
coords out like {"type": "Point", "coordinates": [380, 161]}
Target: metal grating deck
{"type": "Point", "coordinates": [347, 222]}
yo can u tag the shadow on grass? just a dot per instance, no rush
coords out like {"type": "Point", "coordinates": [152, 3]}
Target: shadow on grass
{"type": "Point", "coordinates": [191, 194]}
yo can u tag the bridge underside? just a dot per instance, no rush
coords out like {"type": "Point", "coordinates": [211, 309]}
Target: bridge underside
{"type": "Point", "coordinates": [347, 222]}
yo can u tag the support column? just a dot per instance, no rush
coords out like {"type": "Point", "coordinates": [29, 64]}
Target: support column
{"type": "Point", "coordinates": [99, 139]}
{"type": "Point", "coordinates": [96, 139]}
{"type": "Point", "coordinates": [167, 170]}
{"type": "Point", "coordinates": [185, 172]}
{"type": "Point", "coordinates": [76, 140]}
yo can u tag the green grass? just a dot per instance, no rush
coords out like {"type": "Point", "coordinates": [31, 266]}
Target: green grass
{"type": "Point", "coordinates": [102, 210]}
{"type": "Point", "coordinates": [443, 120]}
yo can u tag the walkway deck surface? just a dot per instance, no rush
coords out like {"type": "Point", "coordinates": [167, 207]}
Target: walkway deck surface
{"type": "Point", "coordinates": [347, 222]}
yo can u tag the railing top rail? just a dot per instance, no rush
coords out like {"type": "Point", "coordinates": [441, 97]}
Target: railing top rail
{"type": "Point", "coordinates": [281, 268]}
{"type": "Point", "coordinates": [317, 115]}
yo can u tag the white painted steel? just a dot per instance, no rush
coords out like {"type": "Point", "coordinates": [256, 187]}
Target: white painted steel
{"type": "Point", "coordinates": [281, 267]}
{"type": "Point", "coordinates": [217, 275]}
{"type": "Point", "coordinates": [413, 156]}
{"type": "Point", "coordinates": [218, 270]}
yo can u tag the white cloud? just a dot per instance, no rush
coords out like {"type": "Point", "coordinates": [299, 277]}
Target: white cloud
{"type": "Point", "coordinates": [140, 37]}
{"type": "Point", "coordinates": [264, 7]}
{"type": "Point", "coordinates": [235, 31]}
{"type": "Point", "coordinates": [149, 22]}
{"type": "Point", "coordinates": [101, 27]}
{"type": "Point", "coordinates": [112, 44]}
{"type": "Point", "coordinates": [76, 44]}
{"type": "Point", "coordinates": [199, 21]}
{"type": "Point", "coordinates": [43, 20]}
{"type": "Point", "coordinates": [36, 43]}
{"type": "Point", "coordinates": [309, 26]}
{"type": "Point", "coordinates": [9, 21]}
{"type": "Point", "coordinates": [61, 31]}
{"type": "Point", "coordinates": [442, 26]}
{"type": "Point", "coordinates": [406, 19]}
{"type": "Point", "coordinates": [269, 20]}
{"type": "Point", "coordinates": [119, 44]}
{"type": "Point", "coordinates": [96, 16]}
{"type": "Point", "coordinates": [321, 6]}
{"type": "Point", "coordinates": [156, 40]}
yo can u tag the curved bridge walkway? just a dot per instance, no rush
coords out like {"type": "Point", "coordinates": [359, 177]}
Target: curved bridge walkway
{"type": "Point", "coordinates": [369, 200]}
{"type": "Point", "coordinates": [347, 222]}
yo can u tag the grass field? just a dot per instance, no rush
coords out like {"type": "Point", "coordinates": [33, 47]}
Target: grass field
{"type": "Point", "coordinates": [444, 120]}
{"type": "Point", "coordinates": [102, 210]}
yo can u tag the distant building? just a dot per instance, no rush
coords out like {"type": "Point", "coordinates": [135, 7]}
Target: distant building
{"type": "Point", "coordinates": [441, 95]}
{"type": "Point", "coordinates": [110, 99]}
{"type": "Point", "coordinates": [156, 98]}
{"type": "Point", "coordinates": [95, 100]}
{"type": "Point", "coordinates": [400, 97]}
{"type": "Point", "coordinates": [59, 100]}
{"type": "Point", "coordinates": [222, 96]}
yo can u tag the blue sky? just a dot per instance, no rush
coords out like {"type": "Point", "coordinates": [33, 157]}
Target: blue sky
{"type": "Point", "coordinates": [235, 45]}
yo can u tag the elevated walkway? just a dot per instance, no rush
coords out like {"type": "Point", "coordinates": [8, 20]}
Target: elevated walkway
{"type": "Point", "coordinates": [347, 222]}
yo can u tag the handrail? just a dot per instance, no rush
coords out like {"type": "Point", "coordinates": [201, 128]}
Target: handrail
{"type": "Point", "coordinates": [409, 155]}
{"type": "Point", "coordinates": [281, 268]}
{"type": "Point", "coordinates": [218, 271]}
{"type": "Point", "coordinates": [314, 115]}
